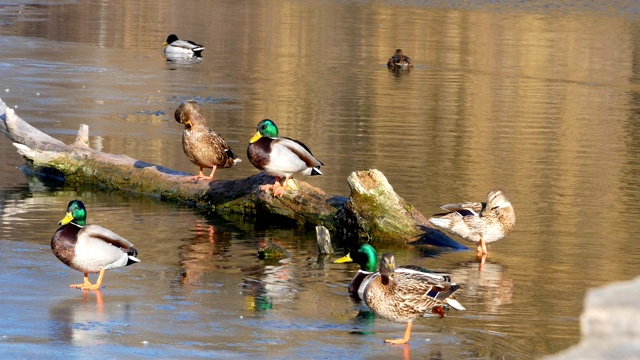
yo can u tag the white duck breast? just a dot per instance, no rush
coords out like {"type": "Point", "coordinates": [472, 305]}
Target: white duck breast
{"type": "Point", "coordinates": [289, 157]}
{"type": "Point", "coordinates": [92, 255]}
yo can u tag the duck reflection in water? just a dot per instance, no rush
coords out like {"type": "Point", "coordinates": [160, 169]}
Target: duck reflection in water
{"type": "Point", "coordinates": [183, 60]}
{"type": "Point", "coordinates": [492, 287]}
{"type": "Point", "coordinates": [201, 252]}
{"type": "Point", "coordinates": [274, 283]}
{"type": "Point", "coordinates": [79, 321]}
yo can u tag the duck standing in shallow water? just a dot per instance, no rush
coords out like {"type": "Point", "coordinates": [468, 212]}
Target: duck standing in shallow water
{"type": "Point", "coordinates": [367, 258]}
{"type": "Point", "coordinates": [89, 249]}
{"type": "Point", "coordinates": [480, 223]}
{"type": "Point", "coordinates": [175, 47]}
{"type": "Point", "coordinates": [280, 156]}
{"type": "Point", "coordinates": [203, 146]}
{"type": "Point", "coordinates": [399, 61]}
{"type": "Point", "coordinates": [403, 296]}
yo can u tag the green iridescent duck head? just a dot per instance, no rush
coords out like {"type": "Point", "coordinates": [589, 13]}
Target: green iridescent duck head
{"type": "Point", "coordinates": [76, 213]}
{"type": "Point", "coordinates": [365, 256]}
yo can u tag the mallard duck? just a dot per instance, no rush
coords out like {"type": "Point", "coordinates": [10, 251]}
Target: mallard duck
{"type": "Point", "coordinates": [403, 296]}
{"type": "Point", "coordinates": [89, 248]}
{"type": "Point", "coordinates": [365, 256]}
{"type": "Point", "coordinates": [203, 146]}
{"type": "Point", "coordinates": [399, 61]}
{"type": "Point", "coordinates": [480, 223]}
{"type": "Point", "coordinates": [280, 156]}
{"type": "Point", "coordinates": [175, 47]}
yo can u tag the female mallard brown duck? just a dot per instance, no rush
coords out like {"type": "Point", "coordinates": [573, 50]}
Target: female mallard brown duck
{"type": "Point", "coordinates": [365, 256]}
{"type": "Point", "coordinates": [90, 248]}
{"type": "Point", "coordinates": [280, 156]}
{"type": "Point", "coordinates": [480, 223]}
{"type": "Point", "coordinates": [174, 47]}
{"type": "Point", "coordinates": [399, 61]}
{"type": "Point", "coordinates": [403, 296]}
{"type": "Point", "coordinates": [203, 146]}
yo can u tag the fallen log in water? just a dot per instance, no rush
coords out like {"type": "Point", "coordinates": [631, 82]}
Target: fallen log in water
{"type": "Point", "coordinates": [373, 211]}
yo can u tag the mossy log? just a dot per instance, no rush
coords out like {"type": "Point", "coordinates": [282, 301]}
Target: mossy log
{"type": "Point", "coordinates": [373, 211]}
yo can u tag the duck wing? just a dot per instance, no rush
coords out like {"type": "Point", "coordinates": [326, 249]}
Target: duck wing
{"type": "Point", "coordinates": [99, 233]}
{"type": "Point", "coordinates": [464, 209]}
{"type": "Point", "coordinates": [187, 45]}
{"type": "Point", "coordinates": [299, 149]}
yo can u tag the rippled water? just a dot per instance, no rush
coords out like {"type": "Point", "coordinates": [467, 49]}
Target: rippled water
{"type": "Point", "coordinates": [540, 99]}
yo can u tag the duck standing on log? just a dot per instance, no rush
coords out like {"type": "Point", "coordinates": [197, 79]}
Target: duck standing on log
{"type": "Point", "coordinates": [479, 222]}
{"type": "Point", "coordinates": [203, 146]}
{"type": "Point", "coordinates": [90, 248]}
{"type": "Point", "coordinates": [280, 156]}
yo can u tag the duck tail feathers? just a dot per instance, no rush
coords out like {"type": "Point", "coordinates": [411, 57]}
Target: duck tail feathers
{"type": "Point", "coordinates": [132, 260]}
{"type": "Point", "coordinates": [454, 304]}
{"type": "Point", "coordinates": [232, 156]}
{"type": "Point", "coordinates": [132, 253]}
{"type": "Point", "coordinates": [440, 222]}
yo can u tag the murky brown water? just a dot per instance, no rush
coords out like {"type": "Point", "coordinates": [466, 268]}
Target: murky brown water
{"type": "Point", "coordinates": [540, 99]}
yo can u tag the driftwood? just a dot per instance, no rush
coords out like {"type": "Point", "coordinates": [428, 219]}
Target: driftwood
{"type": "Point", "coordinates": [373, 211]}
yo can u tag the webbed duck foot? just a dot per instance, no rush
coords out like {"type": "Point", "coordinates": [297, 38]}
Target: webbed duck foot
{"type": "Point", "coordinates": [200, 177]}
{"type": "Point", "coordinates": [91, 287]}
{"type": "Point", "coordinates": [278, 190]}
{"type": "Point", "coordinates": [396, 341]}
{"type": "Point", "coordinates": [405, 339]}
{"type": "Point", "coordinates": [86, 283]}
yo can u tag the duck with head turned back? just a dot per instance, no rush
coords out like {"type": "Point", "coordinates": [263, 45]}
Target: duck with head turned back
{"type": "Point", "coordinates": [399, 61]}
{"type": "Point", "coordinates": [203, 146]}
{"type": "Point", "coordinates": [90, 249]}
{"type": "Point", "coordinates": [403, 296]}
{"type": "Point", "coordinates": [280, 156]}
{"type": "Point", "coordinates": [175, 47]}
{"type": "Point", "coordinates": [479, 222]}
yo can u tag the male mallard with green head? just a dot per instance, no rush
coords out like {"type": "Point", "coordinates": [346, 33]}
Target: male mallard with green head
{"type": "Point", "coordinates": [175, 47]}
{"type": "Point", "coordinates": [89, 248]}
{"type": "Point", "coordinates": [399, 61]}
{"type": "Point", "coordinates": [478, 222]}
{"type": "Point", "coordinates": [403, 296]}
{"type": "Point", "coordinates": [280, 156]}
{"type": "Point", "coordinates": [203, 146]}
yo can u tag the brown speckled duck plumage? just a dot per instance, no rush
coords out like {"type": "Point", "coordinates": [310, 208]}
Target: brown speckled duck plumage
{"type": "Point", "coordinates": [203, 146]}
{"type": "Point", "coordinates": [403, 296]}
{"type": "Point", "coordinates": [479, 222]}
{"type": "Point", "coordinates": [399, 61]}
